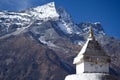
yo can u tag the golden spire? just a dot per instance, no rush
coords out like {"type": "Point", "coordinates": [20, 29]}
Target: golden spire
{"type": "Point", "coordinates": [91, 34]}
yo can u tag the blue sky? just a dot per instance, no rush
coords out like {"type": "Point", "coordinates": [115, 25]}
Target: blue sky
{"type": "Point", "coordinates": [105, 11]}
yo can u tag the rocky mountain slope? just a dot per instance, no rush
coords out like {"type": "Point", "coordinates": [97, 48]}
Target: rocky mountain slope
{"type": "Point", "coordinates": [40, 43]}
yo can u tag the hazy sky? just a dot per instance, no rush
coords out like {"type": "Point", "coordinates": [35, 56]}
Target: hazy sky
{"type": "Point", "coordinates": [105, 11]}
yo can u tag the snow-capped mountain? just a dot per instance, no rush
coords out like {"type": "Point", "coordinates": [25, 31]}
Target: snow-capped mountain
{"type": "Point", "coordinates": [12, 21]}
{"type": "Point", "coordinates": [47, 27]}
{"type": "Point", "coordinates": [16, 22]}
{"type": "Point", "coordinates": [47, 24]}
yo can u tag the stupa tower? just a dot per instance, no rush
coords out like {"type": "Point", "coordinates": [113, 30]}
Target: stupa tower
{"type": "Point", "coordinates": [92, 63]}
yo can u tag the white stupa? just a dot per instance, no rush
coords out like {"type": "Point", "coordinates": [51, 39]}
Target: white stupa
{"type": "Point", "coordinates": [92, 63]}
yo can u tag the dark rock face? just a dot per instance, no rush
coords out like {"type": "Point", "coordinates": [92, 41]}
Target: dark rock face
{"type": "Point", "coordinates": [23, 58]}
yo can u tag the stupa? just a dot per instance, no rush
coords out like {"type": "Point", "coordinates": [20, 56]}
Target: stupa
{"type": "Point", "coordinates": [92, 62]}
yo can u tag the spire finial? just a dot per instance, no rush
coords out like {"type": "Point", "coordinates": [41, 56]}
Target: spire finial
{"type": "Point", "coordinates": [91, 34]}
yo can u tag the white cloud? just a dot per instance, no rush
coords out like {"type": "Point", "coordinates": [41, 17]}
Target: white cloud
{"type": "Point", "coordinates": [19, 4]}
{"type": "Point", "coordinates": [14, 4]}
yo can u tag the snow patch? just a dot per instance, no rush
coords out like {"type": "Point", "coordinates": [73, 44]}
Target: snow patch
{"type": "Point", "coordinates": [48, 43]}
{"type": "Point", "coordinates": [15, 17]}
{"type": "Point", "coordinates": [46, 11]}
{"type": "Point", "coordinates": [65, 28]}
{"type": "Point", "coordinates": [18, 31]}
{"type": "Point", "coordinates": [97, 23]}
{"type": "Point", "coordinates": [1, 13]}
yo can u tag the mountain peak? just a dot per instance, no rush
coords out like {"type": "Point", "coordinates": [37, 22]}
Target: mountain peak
{"type": "Point", "coordinates": [50, 5]}
{"type": "Point", "coordinates": [45, 11]}
{"type": "Point", "coordinates": [97, 23]}
{"type": "Point", "coordinates": [97, 27]}
{"type": "Point", "coordinates": [64, 14]}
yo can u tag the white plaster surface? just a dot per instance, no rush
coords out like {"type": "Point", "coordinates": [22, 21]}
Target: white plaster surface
{"type": "Point", "coordinates": [90, 76]}
{"type": "Point", "coordinates": [80, 68]}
